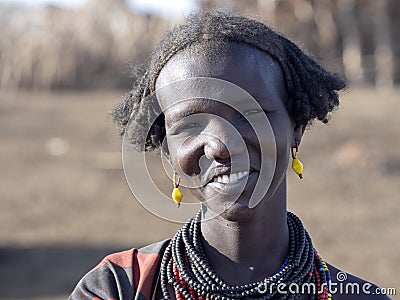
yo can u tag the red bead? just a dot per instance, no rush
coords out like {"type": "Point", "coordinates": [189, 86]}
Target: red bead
{"type": "Point", "coordinates": [178, 295]}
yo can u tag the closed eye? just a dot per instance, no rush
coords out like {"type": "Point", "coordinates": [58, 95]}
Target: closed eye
{"type": "Point", "coordinates": [189, 126]}
{"type": "Point", "coordinates": [252, 112]}
{"type": "Point", "coordinates": [256, 111]}
{"type": "Point", "coordinates": [184, 127]}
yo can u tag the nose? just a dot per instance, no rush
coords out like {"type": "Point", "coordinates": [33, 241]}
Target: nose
{"type": "Point", "coordinates": [223, 140]}
{"type": "Point", "coordinates": [223, 143]}
{"type": "Point", "coordinates": [220, 141]}
{"type": "Point", "coordinates": [216, 149]}
{"type": "Point", "coordinates": [193, 152]}
{"type": "Point", "coordinates": [220, 148]}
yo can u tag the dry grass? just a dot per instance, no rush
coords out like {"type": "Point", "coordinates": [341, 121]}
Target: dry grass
{"type": "Point", "coordinates": [70, 193]}
{"type": "Point", "coordinates": [49, 47]}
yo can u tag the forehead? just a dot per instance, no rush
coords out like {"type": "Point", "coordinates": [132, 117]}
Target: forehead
{"type": "Point", "coordinates": [247, 67]}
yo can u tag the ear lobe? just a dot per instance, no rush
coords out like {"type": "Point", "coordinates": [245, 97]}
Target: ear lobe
{"type": "Point", "coordinates": [298, 132]}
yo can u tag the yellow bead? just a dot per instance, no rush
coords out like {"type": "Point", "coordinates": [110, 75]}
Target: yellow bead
{"type": "Point", "coordinates": [177, 196]}
{"type": "Point", "coordinates": [297, 166]}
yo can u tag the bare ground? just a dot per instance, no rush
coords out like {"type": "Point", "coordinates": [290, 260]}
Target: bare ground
{"type": "Point", "coordinates": [65, 202]}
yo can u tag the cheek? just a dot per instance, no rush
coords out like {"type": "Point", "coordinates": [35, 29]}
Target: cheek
{"type": "Point", "coordinates": [283, 138]}
{"type": "Point", "coordinates": [174, 151]}
{"type": "Point", "coordinates": [185, 155]}
{"type": "Point", "coordinates": [274, 165]}
{"type": "Point", "coordinates": [283, 155]}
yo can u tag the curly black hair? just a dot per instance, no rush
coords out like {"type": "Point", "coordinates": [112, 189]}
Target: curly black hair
{"type": "Point", "coordinates": [312, 90]}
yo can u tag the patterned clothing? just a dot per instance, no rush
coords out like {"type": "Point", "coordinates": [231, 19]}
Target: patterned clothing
{"type": "Point", "coordinates": [131, 274]}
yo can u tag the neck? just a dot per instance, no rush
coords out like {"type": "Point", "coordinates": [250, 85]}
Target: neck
{"type": "Point", "coordinates": [253, 248]}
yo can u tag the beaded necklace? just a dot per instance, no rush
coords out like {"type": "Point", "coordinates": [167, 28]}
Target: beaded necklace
{"type": "Point", "coordinates": [185, 266]}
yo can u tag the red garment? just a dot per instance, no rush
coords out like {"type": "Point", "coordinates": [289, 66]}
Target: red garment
{"type": "Point", "coordinates": [131, 274]}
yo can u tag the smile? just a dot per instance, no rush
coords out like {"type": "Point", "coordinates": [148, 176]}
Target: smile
{"type": "Point", "coordinates": [231, 178]}
{"type": "Point", "coordinates": [233, 183]}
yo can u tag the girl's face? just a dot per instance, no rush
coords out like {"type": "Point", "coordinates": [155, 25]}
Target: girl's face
{"type": "Point", "coordinates": [207, 139]}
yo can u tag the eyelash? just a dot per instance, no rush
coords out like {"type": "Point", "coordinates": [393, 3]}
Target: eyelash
{"type": "Point", "coordinates": [247, 113]}
{"type": "Point", "coordinates": [190, 125]}
{"type": "Point", "coordinates": [180, 129]}
{"type": "Point", "coordinates": [252, 112]}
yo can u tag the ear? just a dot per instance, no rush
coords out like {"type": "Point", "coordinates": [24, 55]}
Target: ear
{"type": "Point", "coordinates": [298, 132]}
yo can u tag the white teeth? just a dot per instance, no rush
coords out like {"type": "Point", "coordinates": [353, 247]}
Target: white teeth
{"type": "Point", "coordinates": [230, 178]}
{"type": "Point", "coordinates": [233, 177]}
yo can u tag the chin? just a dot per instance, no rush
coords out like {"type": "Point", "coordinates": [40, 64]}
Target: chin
{"type": "Point", "coordinates": [237, 213]}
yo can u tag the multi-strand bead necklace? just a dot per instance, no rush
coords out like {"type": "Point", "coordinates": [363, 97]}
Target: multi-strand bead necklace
{"type": "Point", "coordinates": [185, 267]}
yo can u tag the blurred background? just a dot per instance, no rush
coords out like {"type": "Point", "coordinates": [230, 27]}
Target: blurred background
{"type": "Point", "coordinates": [64, 201]}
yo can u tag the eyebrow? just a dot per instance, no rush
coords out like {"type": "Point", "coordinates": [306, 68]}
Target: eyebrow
{"type": "Point", "coordinates": [176, 116]}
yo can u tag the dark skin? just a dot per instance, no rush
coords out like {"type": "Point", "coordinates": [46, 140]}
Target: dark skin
{"type": "Point", "coordinates": [242, 244]}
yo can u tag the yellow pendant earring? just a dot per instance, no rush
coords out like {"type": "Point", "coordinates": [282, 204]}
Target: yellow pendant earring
{"type": "Point", "coordinates": [297, 166]}
{"type": "Point", "coordinates": [176, 193]}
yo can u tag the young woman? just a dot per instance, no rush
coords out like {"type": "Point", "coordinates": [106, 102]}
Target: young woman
{"type": "Point", "coordinates": [233, 98]}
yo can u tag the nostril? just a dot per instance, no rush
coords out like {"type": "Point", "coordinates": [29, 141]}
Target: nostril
{"type": "Point", "coordinates": [224, 161]}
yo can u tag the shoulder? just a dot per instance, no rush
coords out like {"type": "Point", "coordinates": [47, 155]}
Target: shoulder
{"type": "Point", "coordinates": [120, 275]}
{"type": "Point", "coordinates": [347, 286]}
{"type": "Point", "coordinates": [142, 258]}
